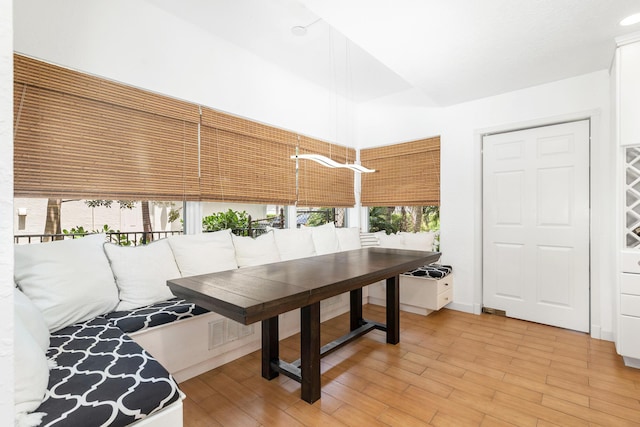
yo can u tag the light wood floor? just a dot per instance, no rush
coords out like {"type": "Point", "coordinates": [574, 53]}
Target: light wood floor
{"type": "Point", "coordinates": [450, 369]}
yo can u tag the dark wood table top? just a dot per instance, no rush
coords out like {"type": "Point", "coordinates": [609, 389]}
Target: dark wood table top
{"type": "Point", "coordinates": [252, 294]}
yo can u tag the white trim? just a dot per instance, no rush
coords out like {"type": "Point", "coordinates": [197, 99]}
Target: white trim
{"type": "Point", "coordinates": [627, 39]}
{"type": "Point", "coordinates": [631, 362]}
{"type": "Point", "coordinates": [192, 215]}
{"type": "Point", "coordinates": [171, 416]}
{"type": "Point", "coordinates": [466, 308]}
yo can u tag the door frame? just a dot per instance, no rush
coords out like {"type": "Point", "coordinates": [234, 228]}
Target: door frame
{"type": "Point", "coordinates": [596, 269]}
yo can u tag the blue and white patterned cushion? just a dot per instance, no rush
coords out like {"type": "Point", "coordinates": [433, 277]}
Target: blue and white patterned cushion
{"type": "Point", "coordinates": [152, 315]}
{"type": "Point", "coordinates": [102, 378]}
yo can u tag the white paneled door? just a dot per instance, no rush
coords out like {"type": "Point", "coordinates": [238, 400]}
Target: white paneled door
{"type": "Point", "coordinates": [536, 224]}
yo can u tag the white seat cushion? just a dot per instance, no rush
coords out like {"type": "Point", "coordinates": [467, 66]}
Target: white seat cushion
{"type": "Point", "coordinates": [258, 251]}
{"type": "Point", "coordinates": [203, 253]}
{"type": "Point", "coordinates": [142, 272]}
{"type": "Point", "coordinates": [69, 280]}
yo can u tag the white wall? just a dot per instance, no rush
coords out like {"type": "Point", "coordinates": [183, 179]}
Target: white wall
{"type": "Point", "coordinates": [460, 127]}
{"type": "Point", "coordinates": [142, 45]}
{"type": "Point", "coordinates": [6, 214]}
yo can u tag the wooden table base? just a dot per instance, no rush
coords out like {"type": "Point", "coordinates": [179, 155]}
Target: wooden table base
{"type": "Point", "coordinates": [306, 370]}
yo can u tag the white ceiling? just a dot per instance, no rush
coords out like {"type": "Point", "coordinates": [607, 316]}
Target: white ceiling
{"type": "Point", "coordinates": [446, 52]}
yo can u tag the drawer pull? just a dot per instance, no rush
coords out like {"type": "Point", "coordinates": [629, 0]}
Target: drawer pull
{"type": "Point", "coordinates": [639, 262]}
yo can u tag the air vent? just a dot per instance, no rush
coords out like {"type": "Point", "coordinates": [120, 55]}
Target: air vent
{"type": "Point", "coordinates": [216, 333]}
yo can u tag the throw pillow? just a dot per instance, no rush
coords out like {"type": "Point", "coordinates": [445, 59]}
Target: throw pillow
{"type": "Point", "coordinates": [422, 241]}
{"type": "Point", "coordinates": [258, 251]}
{"type": "Point", "coordinates": [69, 280]}
{"type": "Point", "coordinates": [31, 376]}
{"type": "Point", "coordinates": [203, 253]}
{"type": "Point", "coordinates": [325, 239]}
{"type": "Point", "coordinates": [294, 243]}
{"type": "Point", "coordinates": [349, 238]}
{"type": "Point", "coordinates": [142, 272]}
{"type": "Point", "coordinates": [392, 241]}
{"type": "Point", "coordinates": [31, 318]}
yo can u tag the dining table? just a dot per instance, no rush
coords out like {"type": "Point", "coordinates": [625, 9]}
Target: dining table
{"type": "Point", "coordinates": [261, 293]}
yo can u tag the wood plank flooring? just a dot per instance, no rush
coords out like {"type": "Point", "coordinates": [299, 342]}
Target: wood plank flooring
{"type": "Point", "coordinates": [450, 369]}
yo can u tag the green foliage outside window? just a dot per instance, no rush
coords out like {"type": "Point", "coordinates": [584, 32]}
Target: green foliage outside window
{"type": "Point", "coordinates": [223, 220]}
{"type": "Point", "coordinates": [407, 218]}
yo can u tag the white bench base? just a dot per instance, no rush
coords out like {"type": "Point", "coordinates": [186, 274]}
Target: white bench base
{"type": "Point", "coordinates": [418, 294]}
{"type": "Point", "coordinates": [190, 347]}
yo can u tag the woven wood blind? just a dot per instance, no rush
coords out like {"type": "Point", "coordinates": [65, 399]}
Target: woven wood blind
{"type": "Point", "coordinates": [245, 161]}
{"type": "Point", "coordinates": [319, 186]}
{"type": "Point", "coordinates": [81, 136]}
{"type": "Point", "coordinates": [406, 174]}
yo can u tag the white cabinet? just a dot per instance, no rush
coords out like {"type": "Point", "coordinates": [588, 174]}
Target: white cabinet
{"type": "Point", "coordinates": [628, 295]}
{"type": "Point", "coordinates": [626, 131]}
{"type": "Point", "coordinates": [628, 343]}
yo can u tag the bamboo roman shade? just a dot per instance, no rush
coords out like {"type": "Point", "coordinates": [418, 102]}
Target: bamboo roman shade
{"type": "Point", "coordinates": [245, 161]}
{"type": "Point", "coordinates": [81, 136]}
{"type": "Point", "coordinates": [407, 174]}
{"type": "Point", "coordinates": [321, 186]}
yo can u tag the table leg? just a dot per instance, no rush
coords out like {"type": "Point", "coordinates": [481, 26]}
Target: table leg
{"type": "Point", "coordinates": [270, 347]}
{"type": "Point", "coordinates": [356, 308]}
{"type": "Point", "coordinates": [310, 352]}
{"type": "Point", "coordinates": [393, 310]}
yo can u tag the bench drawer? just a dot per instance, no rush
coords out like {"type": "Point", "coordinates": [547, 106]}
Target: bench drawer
{"type": "Point", "coordinates": [630, 305]}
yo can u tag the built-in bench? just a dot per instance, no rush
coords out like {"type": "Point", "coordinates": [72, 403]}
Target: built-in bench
{"type": "Point", "coordinates": [422, 291]}
{"type": "Point", "coordinates": [113, 330]}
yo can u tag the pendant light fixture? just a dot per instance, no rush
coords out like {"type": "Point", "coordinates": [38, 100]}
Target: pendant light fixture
{"type": "Point", "coordinates": [300, 30]}
{"type": "Point", "coordinates": [325, 161]}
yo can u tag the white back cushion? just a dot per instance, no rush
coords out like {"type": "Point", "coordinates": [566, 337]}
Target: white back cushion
{"type": "Point", "coordinates": [325, 239]}
{"type": "Point", "coordinates": [31, 375]}
{"type": "Point", "coordinates": [258, 251]}
{"type": "Point", "coordinates": [142, 272]}
{"type": "Point", "coordinates": [203, 253]}
{"type": "Point", "coordinates": [392, 241]}
{"type": "Point", "coordinates": [294, 243]}
{"type": "Point", "coordinates": [31, 318]}
{"type": "Point", "coordinates": [349, 238]}
{"type": "Point", "coordinates": [69, 280]}
{"type": "Point", "coordinates": [422, 241]}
